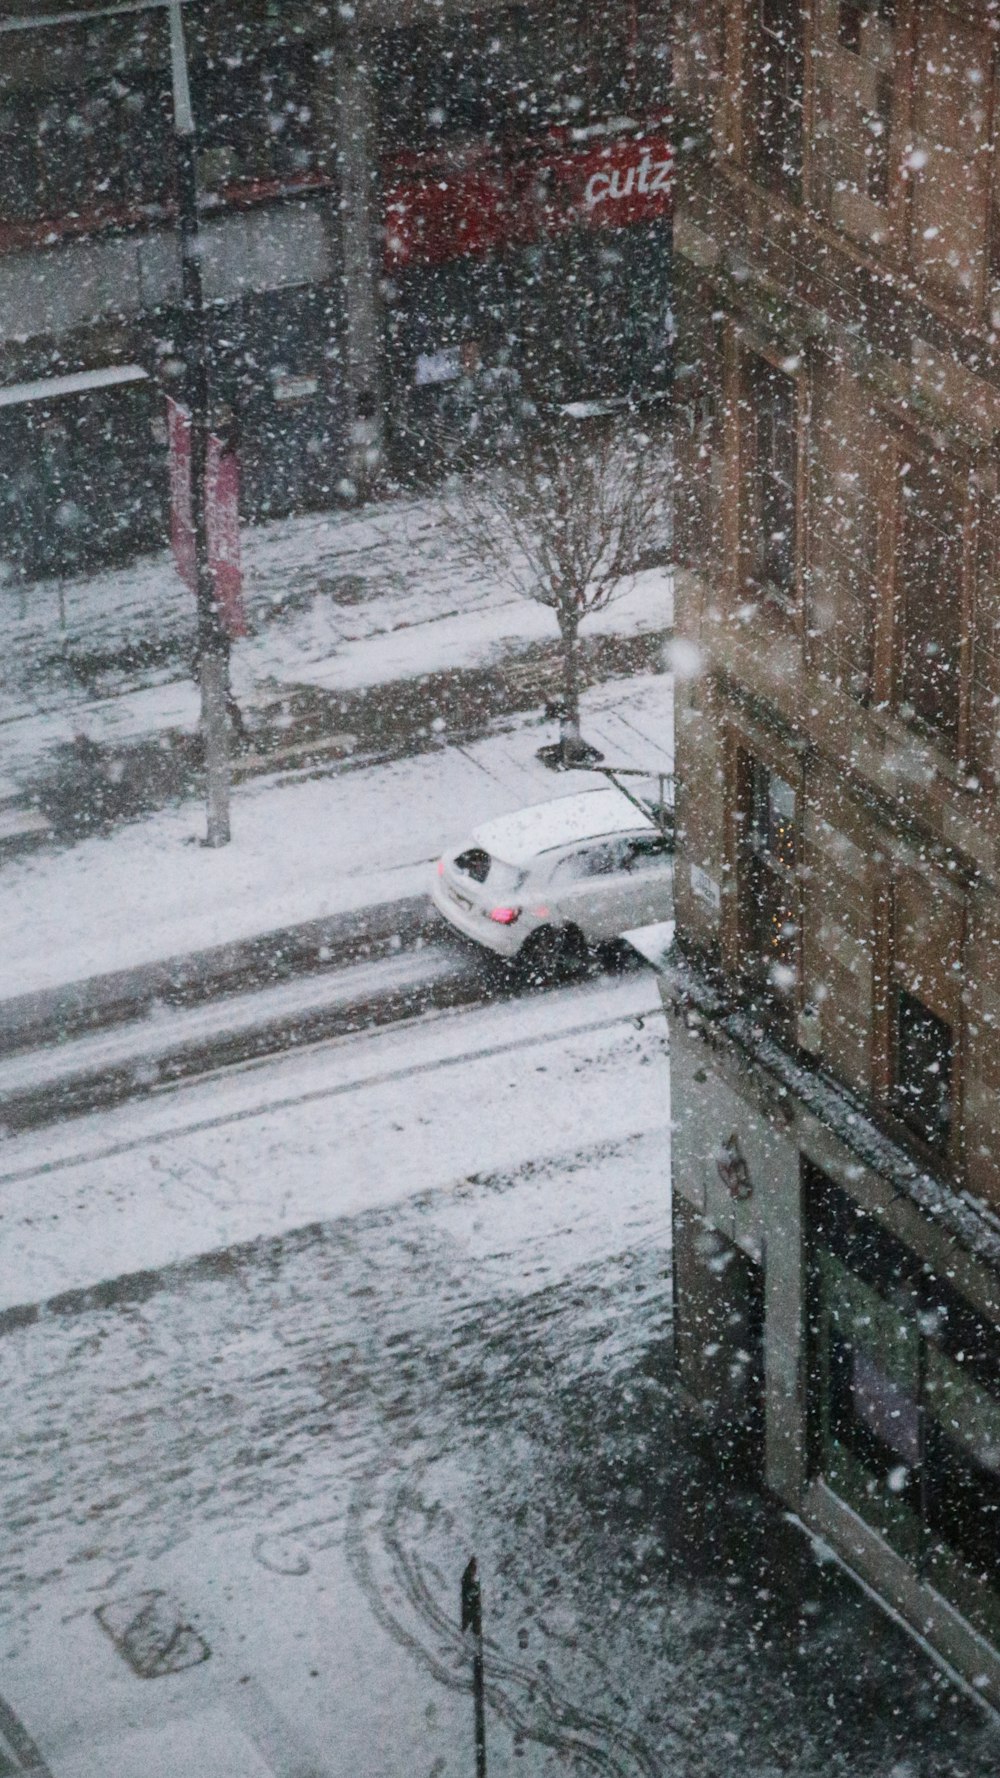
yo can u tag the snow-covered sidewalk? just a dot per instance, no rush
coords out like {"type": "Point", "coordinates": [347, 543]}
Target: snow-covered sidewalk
{"type": "Point", "coordinates": [335, 601]}
{"type": "Point", "coordinates": [303, 848]}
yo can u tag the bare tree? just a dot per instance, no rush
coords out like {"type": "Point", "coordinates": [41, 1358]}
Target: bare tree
{"type": "Point", "coordinates": [566, 518]}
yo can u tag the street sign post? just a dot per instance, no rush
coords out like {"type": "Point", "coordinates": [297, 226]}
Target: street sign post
{"type": "Point", "coordinates": [472, 1624]}
{"type": "Point", "coordinates": [213, 641]}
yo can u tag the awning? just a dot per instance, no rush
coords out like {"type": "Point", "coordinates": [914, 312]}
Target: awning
{"type": "Point", "coordinates": [48, 388]}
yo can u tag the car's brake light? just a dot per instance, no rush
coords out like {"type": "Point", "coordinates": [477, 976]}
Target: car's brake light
{"type": "Point", "coordinates": [505, 916]}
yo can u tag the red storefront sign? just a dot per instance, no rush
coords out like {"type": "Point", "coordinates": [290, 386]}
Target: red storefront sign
{"type": "Point", "coordinates": [461, 211]}
{"type": "Point", "coordinates": [609, 185]}
{"type": "Point", "coordinates": [450, 212]}
{"type": "Point", "coordinates": [222, 517]}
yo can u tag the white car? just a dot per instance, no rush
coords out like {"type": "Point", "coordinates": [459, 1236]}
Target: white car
{"type": "Point", "coordinates": [551, 880]}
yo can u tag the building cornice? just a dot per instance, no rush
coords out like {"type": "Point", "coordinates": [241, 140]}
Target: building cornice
{"type": "Point", "coordinates": [789, 1087]}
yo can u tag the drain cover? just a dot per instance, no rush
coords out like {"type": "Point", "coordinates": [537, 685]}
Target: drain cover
{"type": "Point", "coordinates": [149, 1631]}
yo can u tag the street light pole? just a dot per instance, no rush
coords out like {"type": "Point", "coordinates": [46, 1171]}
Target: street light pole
{"type": "Point", "coordinates": [213, 641]}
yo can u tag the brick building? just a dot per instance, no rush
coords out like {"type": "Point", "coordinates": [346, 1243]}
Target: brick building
{"type": "Point", "coordinates": [397, 201]}
{"type": "Point", "coordinates": [834, 998]}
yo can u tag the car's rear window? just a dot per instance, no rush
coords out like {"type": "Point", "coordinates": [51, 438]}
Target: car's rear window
{"type": "Point", "coordinates": [480, 866]}
{"type": "Point", "coordinates": [475, 864]}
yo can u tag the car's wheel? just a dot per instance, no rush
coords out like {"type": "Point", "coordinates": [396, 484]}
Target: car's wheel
{"type": "Point", "coordinates": [553, 951]}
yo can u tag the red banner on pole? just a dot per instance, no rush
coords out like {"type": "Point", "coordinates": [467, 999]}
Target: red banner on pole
{"type": "Point", "coordinates": [222, 521]}
{"type": "Point", "coordinates": [181, 526]}
{"type": "Point", "coordinates": [222, 518]}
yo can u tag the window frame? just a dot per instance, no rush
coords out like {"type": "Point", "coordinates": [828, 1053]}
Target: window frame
{"type": "Point", "coordinates": [765, 880]}
{"type": "Point", "coordinates": [764, 150]}
{"type": "Point", "coordinates": [755, 366]}
{"type": "Point", "coordinates": [914, 1511]}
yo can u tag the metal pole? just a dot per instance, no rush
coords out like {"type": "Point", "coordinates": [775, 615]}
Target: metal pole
{"type": "Point", "coordinates": [213, 642]}
{"type": "Point", "coordinates": [472, 1620]}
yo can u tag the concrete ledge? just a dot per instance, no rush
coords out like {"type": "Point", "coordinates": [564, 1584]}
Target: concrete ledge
{"type": "Point", "coordinates": [954, 1644]}
{"type": "Point", "coordinates": [20, 829]}
{"type": "Point", "coordinates": [360, 997]}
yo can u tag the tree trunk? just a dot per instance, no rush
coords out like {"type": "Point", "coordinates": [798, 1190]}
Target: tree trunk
{"type": "Point", "coordinates": [569, 722]}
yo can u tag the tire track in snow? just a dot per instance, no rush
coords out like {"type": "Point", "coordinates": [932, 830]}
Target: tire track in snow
{"type": "Point", "coordinates": [394, 1580]}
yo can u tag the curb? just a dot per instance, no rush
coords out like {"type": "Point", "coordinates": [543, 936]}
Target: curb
{"type": "Point", "coordinates": [52, 1014]}
{"type": "Point", "coordinates": [99, 1087]}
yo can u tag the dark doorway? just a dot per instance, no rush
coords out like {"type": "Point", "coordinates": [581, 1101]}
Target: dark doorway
{"type": "Point", "coordinates": [719, 1340]}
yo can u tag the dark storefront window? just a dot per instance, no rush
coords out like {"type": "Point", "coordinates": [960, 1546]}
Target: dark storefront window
{"type": "Point", "coordinates": [88, 480]}
{"type": "Point", "coordinates": [906, 1402]}
{"type": "Point", "coordinates": [437, 84]}
{"type": "Point", "coordinates": [593, 313]}
{"type": "Point", "coordinates": [521, 73]}
{"type": "Point", "coordinates": [769, 891]}
{"type": "Point", "coordinates": [925, 1053]}
{"type": "Point", "coordinates": [581, 316]}
{"type": "Point", "coordinates": [255, 118]}
{"type": "Point", "coordinates": [775, 94]}
{"type": "Point", "coordinates": [76, 152]}
{"type": "Point", "coordinates": [770, 416]}
{"type": "Point", "coordinates": [627, 57]}
{"type": "Point", "coordinates": [99, 151]}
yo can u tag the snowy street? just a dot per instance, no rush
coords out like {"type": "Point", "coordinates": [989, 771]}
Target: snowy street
{"type": "Point", "coordinates": [500, 889]}
{"type": "Point", "coordinates": [145, 1053]}
{"type": "Point", "coordinates": [381, 1304]}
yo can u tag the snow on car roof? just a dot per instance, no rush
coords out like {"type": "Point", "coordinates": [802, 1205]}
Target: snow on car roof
{"type": "Point", "coordinates": [590, 815]}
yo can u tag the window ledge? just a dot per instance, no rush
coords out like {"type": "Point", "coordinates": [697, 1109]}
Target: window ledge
{"type": "Point", "coordinates": [704, 1004]}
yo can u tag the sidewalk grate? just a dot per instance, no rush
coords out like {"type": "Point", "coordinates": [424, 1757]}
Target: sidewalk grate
{"type": "Point", "coordinates": [150, 1633]}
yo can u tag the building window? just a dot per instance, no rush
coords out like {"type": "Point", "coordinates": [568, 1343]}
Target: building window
{"type": "Point", "coordinates": [859, 91]}
{"type": "Point", "coordinates": [775, 94]}
{"type": "Point", "coordinates": [769, 891]}
{"type": "Point", "coordinates": [877, 125]}
{"type": "Point", "coordinates": [930, 575]}
{"type": "Point", "coordinates": [85, 153]}
{"type": "Point", "coordinates": [520, 71]}
{"type": "Point", "coordinates": [924, 1059]}
{"type": "Point", "coordinates": [770, 415]}
{"type": "Point", "coordinates": [905, 1402]}
{"type": "Point", "coordinates": [950, 127]}
{"type": "Point", "coordinates": [255, 120]}
{"type": "Point", "coordinates": [103, 152]}
{"type": "Point", "coordinates": [856, 19]}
